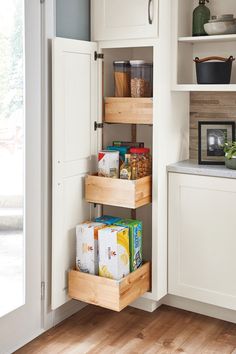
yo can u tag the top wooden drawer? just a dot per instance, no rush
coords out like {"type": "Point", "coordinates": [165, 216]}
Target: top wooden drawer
{"type": "Point", "coordinates": [127, 110]}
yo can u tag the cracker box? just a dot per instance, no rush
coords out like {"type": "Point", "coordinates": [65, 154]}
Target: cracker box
{"type": "Point", "coordinates": [135, 241]}
{"type": "Point", "coordinates": [108, 164]}
{"type": "Point", "coordinates": [87, 247]}
{"type": "Point", "coordinates": [113, 252]}
{"type": "Point", "coordinates": [108, 220]}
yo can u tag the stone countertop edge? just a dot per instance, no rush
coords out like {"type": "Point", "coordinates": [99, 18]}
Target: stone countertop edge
{"type": "Point", "coordinates": [191, 167]}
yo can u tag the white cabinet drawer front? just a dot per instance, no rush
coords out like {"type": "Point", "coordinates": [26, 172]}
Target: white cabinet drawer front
{"type": "Point", "coordinates": [122, 19]}
{"type": "Point", "coordinates": [202, 239]}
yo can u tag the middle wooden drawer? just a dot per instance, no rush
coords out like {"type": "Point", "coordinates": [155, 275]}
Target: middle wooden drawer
{"type": "Point", "coordinates": [118, 192]}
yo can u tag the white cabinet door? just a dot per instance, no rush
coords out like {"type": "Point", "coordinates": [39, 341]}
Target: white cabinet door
{"type": "Point", "coordinates": [202, 239]}
{"type": "Point", "coordinates": [74, 151]}
{"type": "Point", "coordinates": [124, 19]}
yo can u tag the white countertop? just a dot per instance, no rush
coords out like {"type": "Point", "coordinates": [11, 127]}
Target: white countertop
{"type": "Point", "coordinates": [192, 168]}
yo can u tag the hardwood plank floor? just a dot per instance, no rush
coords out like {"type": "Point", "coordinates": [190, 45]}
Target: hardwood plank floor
{"type": "Point", "coordinates": [166, 331]}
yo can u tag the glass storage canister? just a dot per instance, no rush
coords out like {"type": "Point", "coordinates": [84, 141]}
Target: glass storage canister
{"type": "Point", "coordinates": [141, 162]}
{"type": "Point", "coordinates": [141, 78]}
{"type": "Point", "coordinates": [122, 74]}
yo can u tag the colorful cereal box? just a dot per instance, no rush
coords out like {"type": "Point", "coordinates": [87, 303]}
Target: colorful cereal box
{"type": "Point", "coordinates": [87, 247]}
{"type": "Point", "coordinates": [113, 252]}
{"type": "Point", "coordinates": [135, 241]}
{"type": "Point", "coordinates": [108, 220]}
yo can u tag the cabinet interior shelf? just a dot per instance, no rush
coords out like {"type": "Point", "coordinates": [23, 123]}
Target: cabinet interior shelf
{"type": "Point", "coordinates": [112, 294]}
{"type": "Point", "coordinates": [118, 192]}
{"type": "Point", "coordinates": [208, 39]}
{"type": "Point", "coordinates": [127, 110]}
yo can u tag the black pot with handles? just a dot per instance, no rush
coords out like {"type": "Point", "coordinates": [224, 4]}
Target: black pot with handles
{"type": "Point", "coordinates": [214, 70]}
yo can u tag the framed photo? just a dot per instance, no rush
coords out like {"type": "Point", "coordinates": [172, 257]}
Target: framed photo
{"type": "Point", "coordinates": [211, 138]}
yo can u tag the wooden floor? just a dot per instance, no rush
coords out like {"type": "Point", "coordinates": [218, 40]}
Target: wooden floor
{"type": "Point", "coordinates": [167, 330]}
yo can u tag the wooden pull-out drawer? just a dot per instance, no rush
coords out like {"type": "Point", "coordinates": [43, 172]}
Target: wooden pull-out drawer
{"type": "Point", "coordinates": [118, 192]}
{"type": "Point", "coordinates": [112, 294]}
{"type": "Point", "coordinates": [128, 110]}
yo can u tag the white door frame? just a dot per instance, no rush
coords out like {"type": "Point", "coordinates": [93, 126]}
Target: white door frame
{"type": "Point", "coordinates": [23, 324]}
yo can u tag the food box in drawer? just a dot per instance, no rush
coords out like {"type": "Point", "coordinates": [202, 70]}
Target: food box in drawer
{"type": "Point", "coordinates": [118, 192]}
{"type": "Point", "coordinates": [112, 294]}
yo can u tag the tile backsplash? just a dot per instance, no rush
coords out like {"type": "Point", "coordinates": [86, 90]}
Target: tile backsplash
{"type": "Point", "coordinates": [209, 106]}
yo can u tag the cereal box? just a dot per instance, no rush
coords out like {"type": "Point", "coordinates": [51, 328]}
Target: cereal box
{"type": "Point", "coordinates": [108, 164]}
{"type": "Point", "coordinates": [113, 252]}
{"type": "Point", "coordinates": [108, 220]}
{"type": "Point", "coordinates": [87, 247]}
{"type": "Point", "coordinates": [135, 241]}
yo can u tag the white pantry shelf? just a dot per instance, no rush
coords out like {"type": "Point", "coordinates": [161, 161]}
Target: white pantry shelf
{"type": "Point", "coordinates": [208, 88]}
{"type": "Point", "coordinates": [208, 39]}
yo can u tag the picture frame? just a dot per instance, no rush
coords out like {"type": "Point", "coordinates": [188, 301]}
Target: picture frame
{"type": "Point", "coordinates": [211, 137]}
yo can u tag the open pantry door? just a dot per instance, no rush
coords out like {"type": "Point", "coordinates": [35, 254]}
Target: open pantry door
{"type": "Point", "coordinates": [75, 103]}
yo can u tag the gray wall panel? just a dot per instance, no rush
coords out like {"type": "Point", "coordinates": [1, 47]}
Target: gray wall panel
{"type": "Point", "coordinates": [73, 19]}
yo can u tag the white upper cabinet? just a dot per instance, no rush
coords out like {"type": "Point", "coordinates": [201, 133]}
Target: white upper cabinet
{"type": "Point", "coordinates": [74, 150]}
{"type": "Point", "coordinates": [202, 242]}
{"type": "Point", "coordinates": [124, 19]}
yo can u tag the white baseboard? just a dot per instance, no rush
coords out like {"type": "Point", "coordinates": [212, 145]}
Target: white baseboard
{"type": "Point", "coordinates": [22, 342]}
{"type": "Point", "coordinates": [52, 318]}
{"type": "Point", "coordinates": [201, 308]}
{"type": "Point", "coordinates": [146, 304]}
{"type": "Point", "coordinates": [67, 310]}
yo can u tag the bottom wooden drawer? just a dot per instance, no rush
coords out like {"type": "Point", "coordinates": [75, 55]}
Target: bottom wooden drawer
{"type": "Point", "coordinates": [112, 294]}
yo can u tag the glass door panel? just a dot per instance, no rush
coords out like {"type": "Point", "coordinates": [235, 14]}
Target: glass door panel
{"type": "Point", "coordinates": [12, 112]}
{"type": "Point", "coordinates": [20, 173]}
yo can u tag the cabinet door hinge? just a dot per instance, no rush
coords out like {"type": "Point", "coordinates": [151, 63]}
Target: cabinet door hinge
{"type": "Point", "coordinates": [98, 56]}
{"type": "Point", "coordinates": [43, 290]}
{"type": "Point", "coordinates": [98, 125]}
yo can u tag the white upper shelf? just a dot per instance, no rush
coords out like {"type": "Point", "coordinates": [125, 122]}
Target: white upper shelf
{"type": "Point", "coordinates": [209, 39]}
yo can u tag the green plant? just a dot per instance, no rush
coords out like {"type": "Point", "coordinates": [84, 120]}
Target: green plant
{"type": "Point", "coordinates": [230, 150]}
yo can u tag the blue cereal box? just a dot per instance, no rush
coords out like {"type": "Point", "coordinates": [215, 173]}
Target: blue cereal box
{"type": "Point", "coordinates": [108, 220]}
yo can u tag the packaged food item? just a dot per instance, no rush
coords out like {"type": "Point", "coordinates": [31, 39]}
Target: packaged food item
{"type": "Point", "coordinates": [87, 247]}
{"type": "Point", "coordinates": [125, 169]}
{"type": "Point", "coordinates": [135, 241]}
{"type": "Point", "coordinates": [128, 144]}
{"type": "Point", "coordinates": [122, 78]}
{"type": "Point", "coordinates": [108, 164]}
{"type": "Point", "coordinates": [107, 219]}
{"type": "Point", "coordinates": [141, 78]}
{"type": "Point", "coordinates": [122, 151]}
{"type": "Point", "coordinates": [141, 162]}
{"type": "Point", "coordinates": [114, 252]}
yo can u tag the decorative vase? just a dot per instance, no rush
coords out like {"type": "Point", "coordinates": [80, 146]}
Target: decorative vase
{"type": "Point", "coordinates": [231, 163]}
{"type": "Point", "coordinates": [201, 15]}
